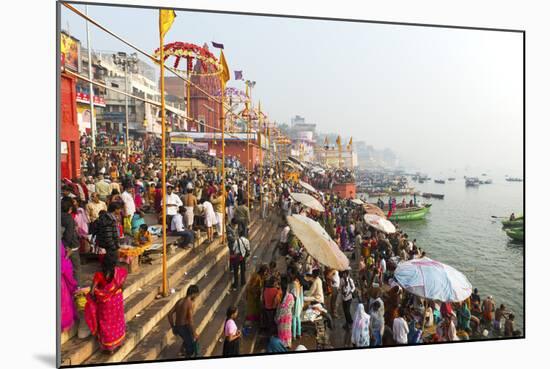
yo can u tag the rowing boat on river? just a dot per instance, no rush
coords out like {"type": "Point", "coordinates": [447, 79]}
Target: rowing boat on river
{"type": "Point", "coordinates": [517, 223]}
{"type": "Point", "coordinates": [414, 213]}
{"type": "Point", "coordinates": [516, 234]}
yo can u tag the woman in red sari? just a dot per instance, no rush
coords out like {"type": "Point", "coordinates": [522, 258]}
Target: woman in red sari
{"type": "Point", "coordinates": [104, 311]}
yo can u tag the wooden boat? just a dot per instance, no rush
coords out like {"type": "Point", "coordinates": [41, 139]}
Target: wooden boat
{"type": "Point", "coordinates": [428, 195]}
{"type": "Point", "coordinates": [440, 181]}
{"type": "Point", "coordinates": [510, 179]}
{"type": "Point", "coordinates": [414, 213]}
{"type": "Point", "coordinates": [516, 234]}
{"type": "Point", "coordinates": [512, 223]}
{"type": "Point", "coordinates": [451, 179]}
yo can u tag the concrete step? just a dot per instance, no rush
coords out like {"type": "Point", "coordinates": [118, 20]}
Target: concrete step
{"type": "Point", "coordinates": [213, 336]}
{"type": "Point", "coordinates": [249, 344]}
{"type": "Point", "coordinates": [75, 351]}
{"type": "Point", "coordinates": [213, 289]}
{"type": "Point", "coordinates": [214, 325]}
{"type": "Point", "coordinates": [140, 326]}
{"type": "Point", "coordinates": [144, 288]}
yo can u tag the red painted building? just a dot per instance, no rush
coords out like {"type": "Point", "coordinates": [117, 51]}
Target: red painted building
{"type": "Point", "coordinates": [239, 149]}
{"type": "Point", "coordinates": [344, 190]}
{"type": "Point", "coordinates": [69, 136]}
{"type": "Point", "coordinates": [204, 109]}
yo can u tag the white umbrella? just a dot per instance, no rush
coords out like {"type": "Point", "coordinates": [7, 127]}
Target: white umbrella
{"type": "Point", "coordinates": [357, 201]}
{"type": "Point", "coordinates": [307, 200]}
{"type": "Point", "coordinates": [433, 280]}
{"type": "Point", "coordinates": [307, 186]}
{"type": "Point", "coordinates": [317, 242]}
{"type": "Point", "coordinates": [379, 223]}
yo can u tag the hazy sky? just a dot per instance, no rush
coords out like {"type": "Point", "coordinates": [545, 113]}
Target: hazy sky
{"type": "Point", "coordinates": [440, 98]}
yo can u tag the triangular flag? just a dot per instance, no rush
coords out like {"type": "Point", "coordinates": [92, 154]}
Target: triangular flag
{"type": "Point", "coordinates": [247, 103]}
{"type": "Point", "coordinates": [166, 18]}
{"type": "Point", "coordinates": [226, 75]}
{"type": "Point", "coordinates": [338, 141]}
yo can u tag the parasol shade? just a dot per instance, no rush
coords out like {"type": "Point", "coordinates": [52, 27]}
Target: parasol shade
{"type": "Point", "coordinates": [357, 201]}
{"type": "Point", "coordinates": [373, 209]}
{"type": "Point", "coordinates": [307, 200]}
{"type": "Point", "coordinates": [433, 280]}
{"type": "Point", "coordinates": [317, 242]}
{"type": "Point", "coordinates": [379, 223]}
{"type": "Point", "coordinates": [307, 186]}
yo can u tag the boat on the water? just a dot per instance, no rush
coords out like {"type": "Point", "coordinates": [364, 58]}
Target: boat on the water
{"type": "Point", "coordinates": [451, 179]}
{"type": "Point", "coordinates": [517, 234]}
{"type": "Point", "coordinates": [510, 179]}
{"type": "Point", "coordinates": [512, 223]}
{"type": "Point", "coordinates": [472, 182]}
{"type": "Point", "coordinates": [414, 213]}
{"type": "Point", "coordinates": [440, 181]}
{"type": "Point", "coordinates": [428, 195]}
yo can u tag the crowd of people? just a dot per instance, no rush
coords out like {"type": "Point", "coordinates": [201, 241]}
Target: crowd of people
{"type": "Point", "coordinates": [385, 314]}
{"type": "Point", "coordinates": [105, 208]}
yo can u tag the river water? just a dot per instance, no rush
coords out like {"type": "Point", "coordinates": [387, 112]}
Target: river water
{"type": "Point", "coordinates": [460, 231]}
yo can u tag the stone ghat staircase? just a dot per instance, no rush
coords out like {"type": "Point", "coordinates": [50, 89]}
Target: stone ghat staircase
{"type": "Point", "coordinates": [212, 314]}
{"type": "Point", "coordinates": [147, 327]}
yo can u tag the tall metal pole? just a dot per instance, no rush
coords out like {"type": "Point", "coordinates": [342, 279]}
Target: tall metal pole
{"type": "Point", "coordinates": [261, 144]}
{"type": "Point", "coordinates": [163, 159]}
{"type": "Point", "coordinates": [223, 158]}
{"type": "Point", "coordinates": [126, 108]}
{"type": "Point", "coordinates": [188, 85]}
{"type": "Point", "coordinates": [92, 118]}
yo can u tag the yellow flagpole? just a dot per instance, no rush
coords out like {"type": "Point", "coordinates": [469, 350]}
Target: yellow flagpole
{"type": "Point", "coordinates": [223, 158]}
{"type": "Point", "coordinates": [248, 149]}
{"type": "Point", "coordinates": [163, 160]}
{"type": "Point", "coordinates": [248, 162]}
{"type": "Point", "coordinates": [189, 96]}
{"type": "Point", "coordinates": [260, 142]}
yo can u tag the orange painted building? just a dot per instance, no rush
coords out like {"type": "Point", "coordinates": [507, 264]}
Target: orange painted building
{"type": "Point", "coordinates": [344, 190]}
{"type": "Point", "coordinates": [238, 149]}
{"type": "Point", "coordinates": [235, 145]}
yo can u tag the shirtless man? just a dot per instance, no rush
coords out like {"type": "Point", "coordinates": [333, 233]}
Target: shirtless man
{"type": "Point", "coordinates": [184, 327]}
{"type": "Point", "coordinates": [190, 202]}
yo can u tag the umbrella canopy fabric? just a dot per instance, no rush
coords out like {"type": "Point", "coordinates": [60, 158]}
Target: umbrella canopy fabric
{"type": "Point", "coordinates": [307, 200]}
{"type": "Point", "coordinates": [433, 280]}
{"type": "Point", "coordinates": [373, 209]}
{"type": "Point", "coordinates": [379, 223]}
{"type": "Point", "coordinates": [317, 242]}
{"type": "Point", "coordinates": [357, 201]}
{"type": "Point", "coordinates": [307, 186]}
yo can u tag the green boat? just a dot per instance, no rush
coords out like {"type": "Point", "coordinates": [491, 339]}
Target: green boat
{"type": "Point", "coordinates": [516, 234]}
{"type": "Point", "coordinates": [517, 223]}
{"type": "Point", "coordinates": [410, 213]}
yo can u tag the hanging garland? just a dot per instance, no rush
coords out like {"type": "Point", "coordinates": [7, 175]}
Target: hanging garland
{"type": "Point", "coordinates": [191, 51]}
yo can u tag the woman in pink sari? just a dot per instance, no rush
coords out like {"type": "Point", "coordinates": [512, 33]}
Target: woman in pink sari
{"type": "Point", "coordinates": [68, 287]}
{"type": "Point", "coordinates": [284, 319]}
{"type": "Point", "coordinates": [104, 311]}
